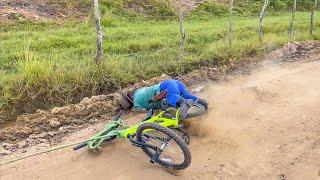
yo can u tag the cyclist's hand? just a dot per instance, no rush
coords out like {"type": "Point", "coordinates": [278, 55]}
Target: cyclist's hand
{"type": "Point", "coordinates": [164, 104]}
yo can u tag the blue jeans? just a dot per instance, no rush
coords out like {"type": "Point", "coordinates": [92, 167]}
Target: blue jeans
{"type": "Point", "coordinates": [175, 91]}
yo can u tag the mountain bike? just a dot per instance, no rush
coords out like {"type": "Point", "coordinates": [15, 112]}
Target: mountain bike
{"type": "Point", "coordinates": [155, 135]}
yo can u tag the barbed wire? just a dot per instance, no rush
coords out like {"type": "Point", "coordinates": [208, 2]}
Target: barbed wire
{"type": "Point", "coordinates": [190, 17]}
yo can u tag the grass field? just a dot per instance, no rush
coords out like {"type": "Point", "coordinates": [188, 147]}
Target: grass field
{"type": "Point", "coordinates": [44, 64]}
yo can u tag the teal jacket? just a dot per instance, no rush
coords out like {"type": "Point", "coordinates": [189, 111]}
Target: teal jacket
{"type": "Point", "coordinates": [143, 97]}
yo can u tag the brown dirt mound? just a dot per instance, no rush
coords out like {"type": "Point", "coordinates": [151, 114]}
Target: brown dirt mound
{"type": "Point", "coordinates": [41, 10]}
{"type": "Point", "coordinates": [51, 125]}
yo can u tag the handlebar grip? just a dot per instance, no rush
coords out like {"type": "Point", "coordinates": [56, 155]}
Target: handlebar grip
{"type": "Point", "coordinates": [79, 146]}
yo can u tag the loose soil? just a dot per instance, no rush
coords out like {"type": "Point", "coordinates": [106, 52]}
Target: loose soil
{"type": "Point", "coordinates": [41, 10]}
{"type": "Point", "coordinates": [263, 123]}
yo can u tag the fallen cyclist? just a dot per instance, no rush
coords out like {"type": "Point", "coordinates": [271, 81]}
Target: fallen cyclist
{"type": "Point", "coordinates": [155, 133]}
{"type": "Point", "coordinates": [168, 93]}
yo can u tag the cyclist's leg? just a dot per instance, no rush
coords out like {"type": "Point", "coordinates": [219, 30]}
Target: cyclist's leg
{"type": "Point", "coordinates": [174, 96]}
{"type": "Point", "coordinates": [173, 93]}
{"type": "Point", "coordinates": [184, 92]}
{"type": "Point", "coordinates": [187, 95]}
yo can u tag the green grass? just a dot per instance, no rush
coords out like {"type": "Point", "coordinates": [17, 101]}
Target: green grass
{"type": "Point", "coordinates": [43, 65]}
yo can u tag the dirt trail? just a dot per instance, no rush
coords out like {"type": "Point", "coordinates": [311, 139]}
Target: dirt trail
{"type": "Point", "coordinates": [265, 125]}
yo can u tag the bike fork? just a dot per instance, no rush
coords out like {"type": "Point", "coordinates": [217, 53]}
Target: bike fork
{"type": "Point", "coordinates": [156, 155]}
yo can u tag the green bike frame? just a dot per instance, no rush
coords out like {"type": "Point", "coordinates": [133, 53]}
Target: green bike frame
{"type": "Point", "coordinates": [117, 129]}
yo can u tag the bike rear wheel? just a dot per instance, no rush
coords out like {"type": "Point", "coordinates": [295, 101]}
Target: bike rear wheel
{"type": "Point", "coordinates": [196, 110]}
{"type": "Point", "coordinates": [173, 152]}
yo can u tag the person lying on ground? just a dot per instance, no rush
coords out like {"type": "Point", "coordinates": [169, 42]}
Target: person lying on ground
{"type": "Point", "coordinates": [168, 93]}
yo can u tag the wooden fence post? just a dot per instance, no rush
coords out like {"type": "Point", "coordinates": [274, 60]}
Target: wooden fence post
{"type": "Point", "coordinates": [294, 6]}
{"type": "Point", "coordinates": [312, 16]}
{"type": "Point", "coordinates": [230, 26]}
{"type": "Point", "coordinates": [266, 2]}
{"type": "Point", "coordinates": [182, 30]}
{"type": "Point", "coordinates": [99, 33]}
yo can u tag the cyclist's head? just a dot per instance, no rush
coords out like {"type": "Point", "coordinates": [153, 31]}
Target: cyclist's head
{"type": "Point", "coordinates": [124, 99]}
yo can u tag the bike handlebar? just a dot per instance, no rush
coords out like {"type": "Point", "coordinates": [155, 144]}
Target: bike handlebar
{"type": "Point", "coordinates": [80, 146]}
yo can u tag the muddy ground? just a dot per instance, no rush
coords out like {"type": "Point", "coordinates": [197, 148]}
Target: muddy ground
{"type": "Point", "coordinates": [263, 123]}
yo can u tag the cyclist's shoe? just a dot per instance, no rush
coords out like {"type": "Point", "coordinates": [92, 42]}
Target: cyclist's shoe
{"type": "Point", "coordinates": [184, 107]}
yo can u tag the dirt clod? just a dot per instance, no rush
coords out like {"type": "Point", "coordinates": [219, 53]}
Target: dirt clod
{"type": "Point", "coordinates": [4, 152]}
{"type": "Point", "coordinates": [54, 123]}
{"type": "Point", "coordinates": [5, 145]}
{"type": "Point", "coordinates": [22, 144]}
{"type": "Point", "coordinates": [77, 121]}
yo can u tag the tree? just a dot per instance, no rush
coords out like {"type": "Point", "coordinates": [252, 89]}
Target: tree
{"type": "Point", "coordinates": [294, 6]}
{"type": "Point", "coordinates": [312, 16]}
{"type": "Point", "coordinates": [266, 2]}
{"type": "Point", "coordinates": [182, 30]}
{"type": "Point", "coordinates": [99, 33]}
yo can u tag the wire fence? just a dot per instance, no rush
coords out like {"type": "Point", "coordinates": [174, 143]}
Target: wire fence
{"type": "Point", "coordinates": [226, 33]}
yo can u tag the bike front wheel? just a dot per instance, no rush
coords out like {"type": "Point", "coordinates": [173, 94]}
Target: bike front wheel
{"type": "Point", "coordinates": [171, 151]}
